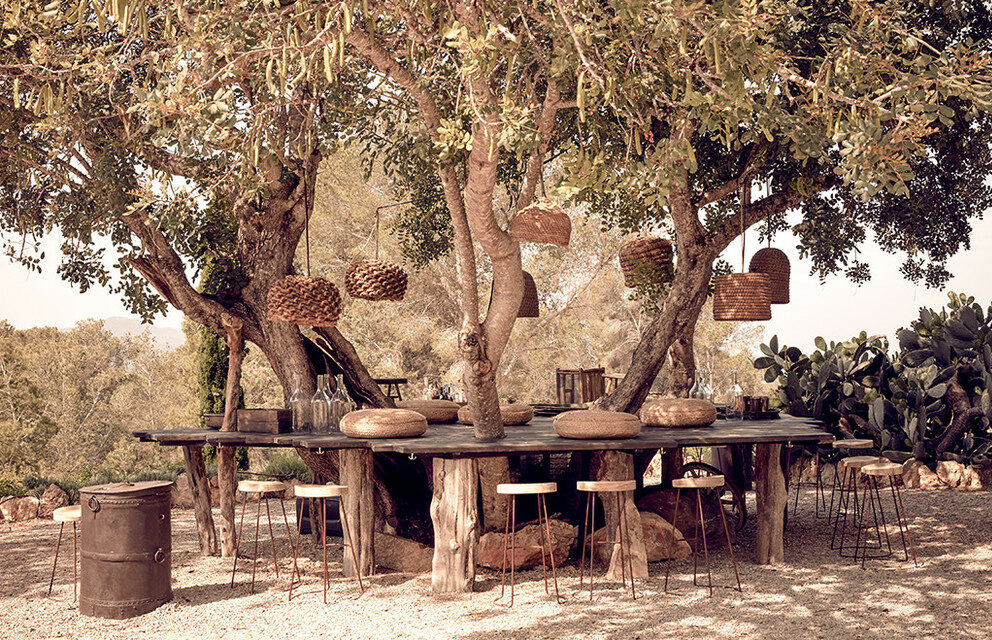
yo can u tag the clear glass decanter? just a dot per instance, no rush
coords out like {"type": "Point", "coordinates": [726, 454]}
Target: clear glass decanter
{"type": "Point", "coordinates": [321, 405]}
{"type": "Point", "coordinates": [340, 403]}
{"type": "Point", "coordinates": [299, 404]}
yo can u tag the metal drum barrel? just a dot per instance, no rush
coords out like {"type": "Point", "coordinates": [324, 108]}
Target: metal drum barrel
{"type": "Point", "coordinates": [126, 542]}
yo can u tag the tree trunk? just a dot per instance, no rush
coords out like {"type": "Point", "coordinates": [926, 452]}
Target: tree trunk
{"type": "Point", "coordinates": [455, 513]}
{"type": "Point", "coordinates": [683, 362]}
{"type": "Point", "coordinates": [616, 465]}
{"type": "Point", "coordinates": [196, 473]}
{"type": "Point", "coordinates": [226, 479]}
{"type": "Point", "coordinates": [772, 497]}
{"type": "Point", "coordinates": [493, 471]}
{"type": "Point", "coordinates": [358, 506]}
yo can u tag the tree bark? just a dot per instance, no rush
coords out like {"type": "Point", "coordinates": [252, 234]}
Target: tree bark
{"type": "Point", "coordinates": [196, 473]}
{"type": "Point", "coordinates": [493, 471]}
{"type": "Point", "coordinates": [358, 505]}
{"type": "Point", "coordinates": [226, 471]}
{"type": "Point", "coordinates": [683, 362]}
{"type": "Point", "coordinates": [455, 513]}
{"type": "Point", "coordinates": [772, 497]}
{"type": "Point", "coordinates": [616, 465]}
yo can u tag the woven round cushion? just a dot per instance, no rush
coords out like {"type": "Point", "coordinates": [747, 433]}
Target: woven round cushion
{"type": "Point", "coordinates": [375, 280]}
{"type": "Point", "coordinates": [433, 410]}
{"type": "Point", "coordinates": [678, 412]}
{"type": "Point", "coordinates": [383, 423]}
{"type": "Point", "coordinates": [775, 264]}
{"type": "Point", "coordinates": [590, 424]}
{"type": "Point", "coordinates": [304, 300]}
{"type": "Point", "coordinates": [542, 221]}
{"type": "Point", "coordinates": [646, 260]}
{"type": "Point", "coordinates": [742, 297]}
{"type": "Point", "coordinates": [513, 414]}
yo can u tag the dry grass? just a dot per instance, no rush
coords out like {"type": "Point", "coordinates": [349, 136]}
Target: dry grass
{"type": "Point", "coordinates": [815, 595]}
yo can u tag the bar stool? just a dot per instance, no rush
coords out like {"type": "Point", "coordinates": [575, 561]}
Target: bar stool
{"type": "Point", "coordinates": [849, 470]}
{"type": "Point", "coordinates": [845, 447]}
{"type": "Point", "coordinates": [819, 495]}
{"type": "Point", "coordinates": [322, 492]}
{"type": "Point", "coordinates": [697, 485]}
{"type": "Point", "coordinates": [618, 488]}
{"type": "Point", "coordinates": [872, 473]}
{"type": "Point", "coordinates": [63, 515]}
{"type": "Point", "coordinates": [261, 488]}
{"type": "Point", "coordinates": [539, 489]}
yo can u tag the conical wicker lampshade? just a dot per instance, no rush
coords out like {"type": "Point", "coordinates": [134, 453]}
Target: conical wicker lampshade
{"type": "Point", "coordinates": [529, 307]}
{"type": "Point", "coordinates": [375, 280]}
{"type": "Point", "coordinates": [305, 300]}
{"type": "Point", "coordinates": [742, 297]}
{"type": "Point", "coordinates": [646, 260]}
{"type": "Point", "coordinates": [544, 222]}
{"type": "Point", "coordinates": [775, 264]}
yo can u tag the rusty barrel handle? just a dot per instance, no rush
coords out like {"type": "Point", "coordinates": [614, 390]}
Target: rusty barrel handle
{"type": "Point", "coordinates": [159, 556]}
{"type": "Point", "coordinates": [93, 504]}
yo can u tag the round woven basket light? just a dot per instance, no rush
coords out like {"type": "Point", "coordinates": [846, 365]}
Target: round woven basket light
{"type": "Point", "coordinates": [529, 307]}
{"type": "Point", "coordinates": [742, 297]}
{"type": "Point", "coordinates": [304, 300]}
{"type": "Point", "coordinates": [542, 221]}
{"type": "Point", "coordinates": [775, 264]}
{"type": "Point", "coordinates": [383, 423]}
{"type": "Point", "coordinates": [513, 414]}
{"type": "Point", "coordinates": [433, 410]}
{"type": "Point", "coordinates": [645, 260]}
{"type": "Point", "coordinates": [678, 412]}
{"type": "Point", "coordinates": [590, 424]}
{"type": "Point", "coordinates": [375, 280]}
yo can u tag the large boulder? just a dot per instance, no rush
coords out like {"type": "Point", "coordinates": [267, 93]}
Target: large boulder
{"type": "Point", "coordinates": [15, 509]}
{"type": "Point", "coordinates": [661, 540]}
{"type": "Point", "coordinates": [952, 474]}
{"type": "Point", "coordinates": [490, 550]}
{"type": "Point", "coordinates": [402, 554]}
{"type": "Point", "coordinates": [182, 493]}
{"type": "Point", "coordinates": [917, 475]}
{"type": "Point", "coordinates": [53, 498]}
{"type": "Point", "coordinates": [662, 503]}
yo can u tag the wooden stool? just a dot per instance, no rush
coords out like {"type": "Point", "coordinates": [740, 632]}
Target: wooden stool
{"type": "Point", "coordinates": [262, 488]}
{"type": "Point", "coordinates": [819, 495]}
{"type": "Point", "coordinates": [849, 468]}
{"type": "Point", "coordinates": [539, 489]}
{"type": "Point", "coordinates": [844, 446]}
{"type": "Point", "coordinates": [322, 492]}
{"type": "Point", "coordinates": [616, 487]}
{"type": "Point", "coordinates": [697, 485]}
{"type": "Point", "coordinates": [63, 515]}
{"type": "Point", "coordinates": [872, 473]}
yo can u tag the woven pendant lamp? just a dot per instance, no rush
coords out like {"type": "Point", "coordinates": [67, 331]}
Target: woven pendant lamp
{"type": "Point", "coordinates": [742, 297]}
{"type": "Point", "coordinates": [775, 264]}
{"type": "Point", "coordinates": [305, 300]}
{"type": "Point", "coordinates": [542, 221]}
{"type": "Point", "coordinates": [645, 260]}
{"type": "Point", "coordinates": [375, 280]}
{"type": "Point", "coordinates": [529, 307]}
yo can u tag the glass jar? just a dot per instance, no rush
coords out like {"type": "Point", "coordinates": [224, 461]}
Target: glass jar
{"type": "Point", "coordinates": [320, 405]}
{"type": "Point", "coordinates": [340, 404]}
{"type": "Point", "coordinates": [299, 404]}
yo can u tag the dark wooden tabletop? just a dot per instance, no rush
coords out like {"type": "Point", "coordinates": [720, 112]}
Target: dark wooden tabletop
{"type": "Point", "coordinates": [456, 440]}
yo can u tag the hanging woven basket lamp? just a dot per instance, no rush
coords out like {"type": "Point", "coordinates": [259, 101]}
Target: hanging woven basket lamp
{"type": "Point", "coordinates": [542, 221]}
{"type": "Point", "coordinates": [529, 307]}
{"type": "Point", "coordinates": [742, 297]}
{"type": "Point", "coordinates": [305, 300]}
{"type": "Point", "coordinates": [646, 260]}
{"type": "Point", "coordinates": [775, 264]}
{"type": "Point", "coordinates": [375, 280]}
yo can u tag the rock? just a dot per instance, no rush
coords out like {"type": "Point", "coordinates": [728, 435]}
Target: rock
{"type": "Point", "coordinates": [489, 552]}
{"type": "Point", "coordinates": [972, 480]}
{"type": "Point", "coordinates": [291, 488]}
{"type": "Point", "coordinates": [182, 493]}
{"type": "Point", "coordinates": [53, 498]}
{"type": "Point", "coordinates": [917, 475]}
{"type": "Point", "coordinates": [19, 509]}
{"type": "Point", "coordinates": [662, 503]}
{"type": "Point", "coordinates": [657, 540]}
{"type": "Point", "coordinates": [951, 473]}
{"type": "Point", "coordinates": [402, 554]}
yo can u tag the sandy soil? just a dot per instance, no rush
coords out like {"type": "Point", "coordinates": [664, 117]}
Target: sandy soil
{"type": "Point", "coordinates": [815, 595]}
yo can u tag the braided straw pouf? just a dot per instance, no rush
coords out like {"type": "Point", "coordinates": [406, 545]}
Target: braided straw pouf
{"type": "Point", "coordinates": [590, 424]}
{"type": "Point", "coordinates": [742, 297]}
{"type": "Point", "coordinates": [775, 264]}
{"type": "Point", "coordinates": [304, 300]}
{"type": "Point", "coordinates": [375, 280]}
{"type": "Point", "coordinates": [645, 260]}
{"type": "Point", "coordinates": [542, 221]}
{"type": "Point", "coordinates": [513, 414]}
{"type": "Point", "coordinates": [433, 410]}
{"type": "Point", "coordinates": [678, 412]}
{"type": "Point", "coordinates": [383, 423]}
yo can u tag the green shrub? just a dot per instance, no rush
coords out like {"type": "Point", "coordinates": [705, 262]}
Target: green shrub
{"type": "Point", "coordinates": [38, 484]}
{"type": "Point", "coordinates": [11, 487]}
{"type": "Point", "coordinates": [288, 465]}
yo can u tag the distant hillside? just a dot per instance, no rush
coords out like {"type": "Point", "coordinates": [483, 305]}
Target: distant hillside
{"type": "Point", "coordinates": [164, 337]}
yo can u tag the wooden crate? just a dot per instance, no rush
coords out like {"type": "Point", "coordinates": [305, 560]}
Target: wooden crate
{"type": "Point", "coordinates": [265, 420]}
{"type": "Point", "coordinates": [213, 420]}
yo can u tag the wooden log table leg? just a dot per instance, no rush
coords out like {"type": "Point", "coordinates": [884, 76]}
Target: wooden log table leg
{"type": "Point", "coordinates": [773, 500]}
{"type": "Point", "coordinates": [196, 472]}
{"type": "Point", "coordinates": [359, 507]}
{"type": "Point", "coordinates": [617, 465]}
{"type": "Point", "coordinates": [455, 514]}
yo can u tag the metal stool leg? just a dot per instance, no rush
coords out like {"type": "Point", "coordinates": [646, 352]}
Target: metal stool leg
{"type": "Point", "coordinates": [547, 527]}
{"type": "Point", "coordinates": [675, 515]}
{"type": "Point", "coordinates": [623, 569]}
{"type": "Point", "coordinates": [506, 544]}
{"type": "Point", "coordinates": [592, 541]}
{"type": "Point", "coordinates": [820, 497]}
{"type": "Point", "coordinates": [513, 543]}
{"type": "Point", "coordinates": [272, 536]}
{"type": "Point", "coordinates": [254, 559]}
{"type": "Point", "coordinates": [901, 518]}
{"type": "Point", "coordinates": [296, 548]}
{"type": "Point", "coordinates": [351, 546]}
{"type": "Point", "coordinates": [544, 562]}
{"type": "Point", "coordinates": [58, 545]}
{"type": "Point", "coordinates": [75, 579]}
{"type": "Point", "coordinates": [730, 547]}
{"type": "Point", "coordinates": [585, 534]}
{"type": "Point", "coordinates": [702, 526]}
{"type": "Point", "coordinates": [237, 538]}
{"type": "Point", "coordinates": [630, 559]}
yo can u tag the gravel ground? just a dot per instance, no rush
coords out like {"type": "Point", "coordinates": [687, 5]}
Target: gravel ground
{"type": "Point", "coordinates": [815, 595]}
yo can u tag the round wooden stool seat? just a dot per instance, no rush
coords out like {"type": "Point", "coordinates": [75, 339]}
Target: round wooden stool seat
{"type": "Point", "coordinates": [882, 469]}
{"type": "Point", "coordinates": [261, 486]}
{"type": "Point", "coordinates": [853, 443]}
{"type": "Point", "coordinates": [319, 490]}
{"type": "Point", "coordinates": [605, 485]}
{"type": "Point", "coordinates": [705, 482]}
{"type": "Point", "coordinates": [526, 488]}
{"type": "Point", "coordinates": [67, 514]}
{"type": "Point", "coordinates": [857, 462]}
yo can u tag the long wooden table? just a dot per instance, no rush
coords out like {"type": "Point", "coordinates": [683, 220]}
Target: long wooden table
{"type": "Point", "coordinates": [455, 453]}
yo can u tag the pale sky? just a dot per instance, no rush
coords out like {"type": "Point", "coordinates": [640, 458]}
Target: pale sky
{"type": "Point", "coordinates": [836, 309]}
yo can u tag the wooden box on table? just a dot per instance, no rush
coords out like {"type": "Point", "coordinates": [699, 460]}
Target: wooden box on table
{"type": "Point", "coordinates": [265, 420]}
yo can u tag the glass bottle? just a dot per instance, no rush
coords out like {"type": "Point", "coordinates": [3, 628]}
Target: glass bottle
{"type": "Point", "coordinates": [321, 405]}
{"type": "Point", "coordinates": [299, 403]}
{"type": "Point", "coordinates": [340, 403]}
